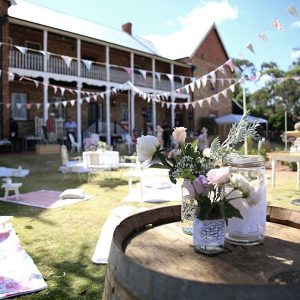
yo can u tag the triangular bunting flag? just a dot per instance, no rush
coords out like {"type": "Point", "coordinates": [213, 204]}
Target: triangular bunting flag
{"type": "Point", "coordinates": [56, 104]}
{"type": "Point", "coordinates": [213, 76]}
{"type": "Point", "coordinates": [170, 76]}
{"type": "Point", "coordinates": [186, 104]}
{"type": "Point", "coordinates": [72, 91]}
{"type": "Point", "coordinates": [250, 48]}
{"type": "Point", "coordinates": [192, 85]}
{"type": "Point", "coordinates": [222, 70]}
{"type": "Point", "coordinates": [143, 73]}
{"type": "Point", "coordinates": [36, 83]}
{"type": "Point", "coordinates": [38, 105]}
{"type": "Point", "coordinates": [182, 79]}
{"type": "Point", "coordinates": [95, 97]}
{"type": "Point", "coordinates": [54, 89]}
{"type": "Point", "coordinates": [187, 88]}
{"type": "Point", "coordinates": [162, 104]}
{"type": "Point", "coordinates": [128, 70]}
{"type": "Point", "coordinates": [230, 64]}
{"type": "Point", "coordinates": [72, 102]}
{"type": "Point", "coordinates": [28, 105]}
{"type": "Point", "coordinates": [62, 90]}
{"type": "Point", "coordinates": [144, 96]}
{"type": "Point", "coordinates": [200, 103]}
{"type": "Point", "coordinates": [180, 106]}
{"type": "Point", "coordinates": [168, 104]}
{"type": "Point", "coordinates": [64, 103]}
{"type": "Point", "coordinates": [292, 11]}
{"type": "Point", "coordinates": [224, 93]}
{"type": "Point", "coordinates": [88, 99]}
{"type": "Point", "coordinates": [23, 50]}
{"type": "Point", "coordinates": [204, 80]}
{"type": "Point", "coordinates": [277, 25]}
{"type": "Point", "coordinates": [193, 104]}
{"type": "Point", "coordinates": [221, 82]}
{"type": "Point", "coordinates": [19, 105]}
{"type": "Point", "coordinates": [198, 83]}
{"type": "Point", "coordinates": [67, 60]}
{"type": "Point", "coordinates": [87, 63]}
{"type": "Point", "coordinates": [157, 75]}
{"type": "Point", "coordinates": [232, 87]}
{"type": "Point", "coordinates": [216, 96]}
{"type": "Point", "coordinates": [7, 105]}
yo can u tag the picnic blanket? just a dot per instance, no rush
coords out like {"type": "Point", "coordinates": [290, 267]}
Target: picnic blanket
{"type": "Point", "coordinates": [116, 216]}
{"type": "Point", "coordinates": [18, 273]}
{"type": "Point", "coordinates": [44, 199]}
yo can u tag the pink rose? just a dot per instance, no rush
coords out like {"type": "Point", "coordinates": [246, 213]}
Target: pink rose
{"type": "Point", "coordinates": [218, 176]}
{"type": "Point", "coordinates": [179, 134]}
{"type": "Point", "coordinates": [198, 186]}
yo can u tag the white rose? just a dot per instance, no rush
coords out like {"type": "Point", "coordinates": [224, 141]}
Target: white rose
{"type": "Point", "coordinates": [240, 182]}
{"type": "Point", "coordinates": [146, 146]}
{"type": "Point", "coordinates": [179, 134]}
{"type": "Point", "coordinates": [206, 152]}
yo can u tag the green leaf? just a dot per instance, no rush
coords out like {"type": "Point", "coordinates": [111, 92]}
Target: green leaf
{"type": "Point", "coordinates": [158, 166]}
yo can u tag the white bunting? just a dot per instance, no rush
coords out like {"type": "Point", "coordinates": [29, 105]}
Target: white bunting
{"type": "Point", "coordinates": [72, 91]}
{"type": "Point", "coordinates": [95, 97]}
{"type": "Point", "coordinates": [62, 90]}
{"type": "Point", "coordinates": [64, 103]}
{"type": "Point", "coordinates": [72, 102]}
{"type": "Point", "coordinates": [192, 85]}
{"type": "Point", "coordinates": [250, 48]}
{"type": "Point", "coordinates": [198, 83]}
{"type": "Point", "coordinates": [222, 70]}
{"type": "Point", "coordinates": [143, 73]}
{"type": "Point", "coordinates": [216, 96]}
{"type": "Point", "coordinates": [38, 105]}
{"type": "Point", "coordinates": [187, 88]}
{"type": "Point", "coordinates": [56, 104]}
{"type": "Point", "coordinates": [180, 106]}
{"type": "Point", "coordinates": [204, 80]}
{"type": "Point", "coordinates": [168, 104]}
{"type": "Point", "coordinates": [23, 50]}
{"type": "Point", "coordinates": [144, 96]}
{"type": "Point", "coordinates": [292, 10]}
{"type": "Point", "coordinates": [170, 76]}
{"type": "Point", "coordinates": [88, 99]}
{"type": "Point", "coordinates": [11, 76]}
{"type": "Point", "coordinates": [193, 104]}
{"type": "Point", "coordinates": [157, 75]}
{"type": "Point", "coordinates": [54, 89]}
{"type": "Point", "coordinates": [232, 87]}
{"type": "Point", "coordinates": [28, 105]}
{"type": "Point", "coordinates": [162, 104]}
{"type": "Point", "coordinates": [263, 36]}
{"type": "Point", "coordinates": [36, 83]}
{"type": "Point", "coordinates": [186, 104]}
{"type": "Point", "coordinates": [200, 103]}
{"type": "Point", "coordinates": [67, 60]}
{"type": "Point", "coordinates": [224, 93]}
{"type": "Point", "coordinates": [7, 105]}
{"type": "Point", "coordinates": [182, 78]}
{"type": "Point", "coordinates": [213, 76]}
{"type": "Point", "coordinates": [19, 105]}
{"type": "Point", "coordinates": [230, 64]}
{"type": "Point", "coordinates": [87, 63]}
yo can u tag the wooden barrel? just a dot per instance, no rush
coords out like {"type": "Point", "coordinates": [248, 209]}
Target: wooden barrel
{"type": "Point", "coordinates": [150, 258]}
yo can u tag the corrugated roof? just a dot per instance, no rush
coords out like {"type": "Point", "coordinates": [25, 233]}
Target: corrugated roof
{"type": "Point", "coordinates": [40, 15]}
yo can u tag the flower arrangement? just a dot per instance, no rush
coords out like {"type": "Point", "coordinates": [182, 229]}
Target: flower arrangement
{"type": "Point", "coordinates": [205, 173]}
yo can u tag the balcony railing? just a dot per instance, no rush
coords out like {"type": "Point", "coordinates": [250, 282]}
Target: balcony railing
{"type": "Point", "coordinates": [34, 61]}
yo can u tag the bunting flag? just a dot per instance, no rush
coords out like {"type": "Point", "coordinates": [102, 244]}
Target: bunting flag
{"type": "Point", "coordinates": [13, 2]}
{"type": "Point", "coordinates": [7, 105]}
{"type": "Point", "coordinates": [232, 88]}
{"type": "Point", "coordinates": [95, 97]}
{"type": "Point", "coordinates": [67, 60]}
{"type": "Point", "coordinates": [87, 63]}
{"type": "Point", "coordinates": [192, 86]}
{"type": "Point", "coordinates": [54, 89]}
{"type": "Point", "coordinates": [222, 70]}
{"type": "Point", "coordinates": [11, 76]}
{"type": "Point", "coordinates": [28, 105]}
{"type": "Point", "coordinates": [64, 103]}
{"type": "Point", "coordinates": [36, 83]}
{"type": "Point", "coordinates": [213, 76]}
{"type": "Point", "coordinates": [277, 25]}
{"type": "Point", "coordinates": [19, 106]}
{"type": "Point", "coordinates": [292, 10]}
{"type": "Point", "coordinates": [72, 102]}
{"type": "Point", "coordinates": [198, 83]}
{"type": "Point", "coordinates": [193, 105]}
{"type": "Point", "coordinates": [250, 48]}
{"type": "Point", "coordinates": [221, 82]}
{"type": "Point", "coordinates": [187, 88]}
{"type": "Point", "coordinates": [128, 70]}
{"type": "Point", "coordinates": [230, 64]}
{"type": "Point", "coordinates": [224, 93]}
{"type": "Point", "coordinates": [88, 99]}
{"type": "Point", "coordinates": [204, 80]}
{"type": "Point", "coordinates": [263, 36]}
{"type": "Point", "coordinates": [171, 77]}
{"type": "Point", "coordinates": [62, 90]}
{"type": "Point", "coordinates": [38, 105]}
{"type": "Point", "coordinates": [182, 78]}
{"type": "Point", "coordinates": [143, 73]}
{"type": "Point", "coordinates": [157, 75]}
{"type": "Point", "coordinates": [162, 104]}
{"type": "Point", "coordinates": [23, 50]}
{"type": "Point", "coordinates": [186, 105]}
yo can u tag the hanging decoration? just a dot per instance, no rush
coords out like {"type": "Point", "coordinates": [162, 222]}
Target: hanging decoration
{"type": "Point", "coordinates": [67, 60]}
{"type": "Point", "coordinates": [292, 11]}
{"type": "Point", "coordinates": [250, 48]}
{"type": "Point", "coordinates": [277, 25]}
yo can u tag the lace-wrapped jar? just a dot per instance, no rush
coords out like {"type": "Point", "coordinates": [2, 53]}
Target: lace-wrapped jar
{"type": "Point", "coordinates": [248, 173]}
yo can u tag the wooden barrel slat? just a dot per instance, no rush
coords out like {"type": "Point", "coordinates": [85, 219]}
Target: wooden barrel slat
{"type": "Point", "coordinates": [150, 258]}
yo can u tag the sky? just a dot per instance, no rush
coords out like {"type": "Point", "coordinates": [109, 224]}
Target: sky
{"type": "Point", "coordinates": [239, 23]}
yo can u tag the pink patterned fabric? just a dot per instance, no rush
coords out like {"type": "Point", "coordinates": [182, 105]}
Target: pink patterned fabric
{"type": "Point", "coordinates": [18, 273]}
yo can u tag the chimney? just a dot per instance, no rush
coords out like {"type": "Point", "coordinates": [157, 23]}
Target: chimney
{"type": "Point", "coordinates": [127, 27]}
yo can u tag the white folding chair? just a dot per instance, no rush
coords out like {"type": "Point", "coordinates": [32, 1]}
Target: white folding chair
{"type": "Point", "coordinates": [74, 146]}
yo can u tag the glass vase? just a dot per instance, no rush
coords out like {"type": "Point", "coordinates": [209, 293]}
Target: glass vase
{"type": "Point", "coordinates": [188, 208]}
{"type": "Point", "coordinates": [251, 229]}
{"type": "Point", "coordinates": [208, 236]}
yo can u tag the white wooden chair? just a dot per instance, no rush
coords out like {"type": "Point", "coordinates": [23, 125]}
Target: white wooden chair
{"type": "Point", "coordinates": [74, 146]}
{"type": "Point", "coordinates": [10, 186]}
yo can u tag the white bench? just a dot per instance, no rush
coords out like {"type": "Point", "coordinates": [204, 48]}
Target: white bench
{"type": "Point", "coordinates": [9, 186]}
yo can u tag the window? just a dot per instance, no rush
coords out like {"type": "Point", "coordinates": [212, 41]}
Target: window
{"type": "Point", "coordinates": [18, 106]}
{"type": "Point", "coordinates": [33, 45]}
{"type": "Point", "coordinates": [124, 113]}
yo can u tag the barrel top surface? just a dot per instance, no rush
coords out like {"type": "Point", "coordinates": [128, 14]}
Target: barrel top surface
{"type": "Point", "coordinates": [166, 249]}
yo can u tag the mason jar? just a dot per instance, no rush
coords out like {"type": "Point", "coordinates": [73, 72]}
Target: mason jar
{"type": "Point", "coordinates": [248, 171]}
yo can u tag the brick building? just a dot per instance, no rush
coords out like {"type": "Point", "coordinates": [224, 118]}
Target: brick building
{"type": "Point", "coordinates": [56, 63]}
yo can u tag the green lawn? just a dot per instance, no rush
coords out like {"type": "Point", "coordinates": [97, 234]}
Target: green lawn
{"type": "Point", "coordinates": [61, 241]}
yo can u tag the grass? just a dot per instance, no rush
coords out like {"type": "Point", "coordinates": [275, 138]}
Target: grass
{"type": "Point", "coordinates": [61, 241]}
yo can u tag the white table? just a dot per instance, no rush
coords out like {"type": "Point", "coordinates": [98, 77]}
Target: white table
{"type": "Point", "coordinates": [10, 172]}
{"type": "Point", "coordinates": [284, 156]}
{"type": "Point", "coordinates": [142, 174]}
{"type": "Point", "coordinates": [94, 159]}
